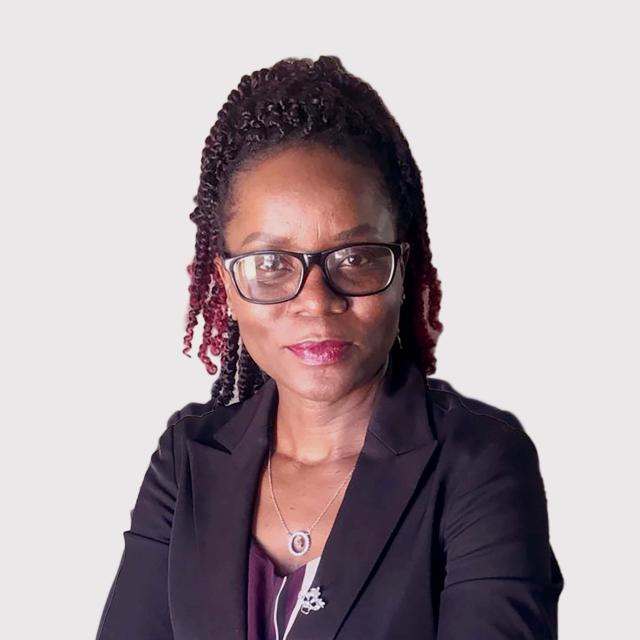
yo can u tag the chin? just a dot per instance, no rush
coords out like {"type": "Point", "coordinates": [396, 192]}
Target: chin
{"type": "Point", "coordinates": [320, 390]}
{"type": "Point", "coordinates": [320, 382]}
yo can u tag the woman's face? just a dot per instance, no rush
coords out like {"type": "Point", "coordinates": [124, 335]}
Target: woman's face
{"type": "Point", "coordinates": [310, 199]}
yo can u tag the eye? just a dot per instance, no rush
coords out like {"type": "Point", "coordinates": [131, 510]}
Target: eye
{"type": "Point", "coordinates": [271, 262]}
{"type": "Point", "coordinates": [354, 258]}
{"type": "Point", "coordinates": [274, 266]}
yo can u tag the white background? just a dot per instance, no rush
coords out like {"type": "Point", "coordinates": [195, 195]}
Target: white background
{"type": "Point", "coordinates": [524, 120]}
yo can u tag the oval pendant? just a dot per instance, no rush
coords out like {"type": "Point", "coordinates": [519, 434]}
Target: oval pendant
{"type": "Point", "coordinates": [299, 542]}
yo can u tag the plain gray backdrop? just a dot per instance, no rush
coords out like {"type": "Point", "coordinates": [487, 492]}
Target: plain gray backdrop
{"type": "Point", "coordinates": [523, 119]}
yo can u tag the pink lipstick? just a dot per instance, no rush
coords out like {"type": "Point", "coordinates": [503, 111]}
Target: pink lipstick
{"type": "Point", "coordinates": [320, 353]}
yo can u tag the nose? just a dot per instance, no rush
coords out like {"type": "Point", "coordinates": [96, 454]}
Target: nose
{"type": "Point", "coordinates": [316, 298]}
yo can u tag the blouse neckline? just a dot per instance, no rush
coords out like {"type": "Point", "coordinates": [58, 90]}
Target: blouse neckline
{"type": "Point", "coordinates": [263, 553]}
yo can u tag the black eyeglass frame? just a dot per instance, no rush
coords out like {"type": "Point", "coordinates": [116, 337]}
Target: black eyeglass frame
{"type": "Point", "coordinates": [398, 250]}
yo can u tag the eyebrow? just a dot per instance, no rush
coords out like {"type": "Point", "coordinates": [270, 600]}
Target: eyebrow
{"type": "Point", "coordinates": [347, 234]}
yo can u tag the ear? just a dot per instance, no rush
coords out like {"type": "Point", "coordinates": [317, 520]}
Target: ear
{"type": "Point", "coordinates": [223, 274]}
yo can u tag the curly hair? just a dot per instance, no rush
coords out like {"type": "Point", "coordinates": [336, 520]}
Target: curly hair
{"type": "Point", "coordinates": [293, 103]}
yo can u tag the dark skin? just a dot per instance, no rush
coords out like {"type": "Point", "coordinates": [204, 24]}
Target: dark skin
{"type": "Point", "coordinates": [310, 199]}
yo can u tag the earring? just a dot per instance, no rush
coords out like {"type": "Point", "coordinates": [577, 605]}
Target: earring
{"type": "Point", "coordinates": [398, 340]}
{"type": "Point", "coordinates": [403, 296]}
{"type": "Point", "coordinates": [230, 313]}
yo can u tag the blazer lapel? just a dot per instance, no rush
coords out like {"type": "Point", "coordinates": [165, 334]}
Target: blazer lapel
{"type": "Point", "coordinates": [398, 445]}
{"type": "Point", "coordinates": [225, 463]}
{"type": "Point", "coordinates": [225, 467]}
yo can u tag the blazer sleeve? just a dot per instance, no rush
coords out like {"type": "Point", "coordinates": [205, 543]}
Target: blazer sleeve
{"type": "Point", "coordinates": [137, 604]}
{"type": "Point", "coordinates": [502, 579]}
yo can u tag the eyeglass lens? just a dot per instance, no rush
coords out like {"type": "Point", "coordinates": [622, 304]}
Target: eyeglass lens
{"type": "Point", "coordinates": [273, 276]}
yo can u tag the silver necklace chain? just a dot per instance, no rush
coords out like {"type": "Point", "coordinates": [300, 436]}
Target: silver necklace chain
{"type": "Point", "coordinates": [300, 540]}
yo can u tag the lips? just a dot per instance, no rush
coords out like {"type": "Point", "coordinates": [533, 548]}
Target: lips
{"type": "Point", "coordinates": [320, 352]}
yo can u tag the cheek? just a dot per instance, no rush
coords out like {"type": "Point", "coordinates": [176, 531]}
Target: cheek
{"type": "Point", "coordinates": [260, 328]}
{"type": "Point", "coordinates": [377, 316]}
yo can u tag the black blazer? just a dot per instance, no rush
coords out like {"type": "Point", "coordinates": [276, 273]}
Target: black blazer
{"type": "Point", "coordinates": [442, 532]}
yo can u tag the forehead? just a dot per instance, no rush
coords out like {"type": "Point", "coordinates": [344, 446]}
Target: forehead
{"type": "Point", "coordinates": [307, 198]}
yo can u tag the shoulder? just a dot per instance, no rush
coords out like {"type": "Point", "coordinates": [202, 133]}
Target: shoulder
{"type": "Point", "coordinates": [201, 420]}
{"type": "Point", "coordinates": [494, 521]}
{"type": "Point", "coordinates": [197, 422]}
{"type": "Point", "coordinates": [192, 416]}
{"type": "Point", "coordinates": [471, 431]}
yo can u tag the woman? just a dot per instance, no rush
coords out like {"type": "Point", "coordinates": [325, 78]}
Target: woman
{"type": "Point", "coordinates": [346, 494]}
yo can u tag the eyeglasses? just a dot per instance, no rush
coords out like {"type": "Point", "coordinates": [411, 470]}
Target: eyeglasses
{"type": "Point", "coordinates": [270, 276]}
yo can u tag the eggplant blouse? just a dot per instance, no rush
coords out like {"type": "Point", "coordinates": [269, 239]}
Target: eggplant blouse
{"type": "Point", "coordinates": [274, 600]}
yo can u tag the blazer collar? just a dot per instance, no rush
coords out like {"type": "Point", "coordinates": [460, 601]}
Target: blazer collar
{"type": "Point", "coordinates": [225, 463]}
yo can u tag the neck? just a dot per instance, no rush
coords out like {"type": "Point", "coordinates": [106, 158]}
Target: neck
{"type": "Point", "coordinates": [312, 432]}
